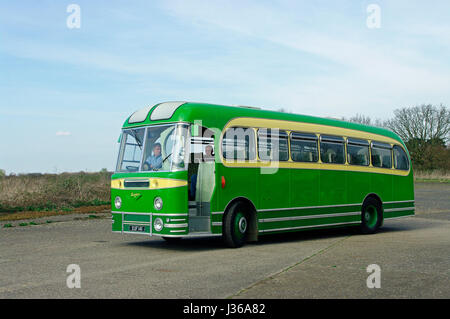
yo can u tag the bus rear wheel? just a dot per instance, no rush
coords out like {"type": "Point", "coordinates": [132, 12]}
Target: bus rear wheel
{"type": "Point", "coordinates": [371, 216]}
{"type": "Point", "coordinates": [236, 225]}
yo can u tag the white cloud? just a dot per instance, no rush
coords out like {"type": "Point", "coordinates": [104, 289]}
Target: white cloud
{"type": "Point", "coordinates": [377, 73]}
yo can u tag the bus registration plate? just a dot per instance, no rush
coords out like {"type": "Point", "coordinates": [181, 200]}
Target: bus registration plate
{"type": "Point", "coordinates": [137, 228]}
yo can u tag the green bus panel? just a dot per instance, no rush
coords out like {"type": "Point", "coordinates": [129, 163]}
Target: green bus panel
{"type": "Point", "coordinates": [304, 187]}
{"type": "Point", "coordinates": [274, 190]}
{"type": "Point", "coordinates": [358, 186]}
{"type": "Point", "coordinates": [333, 187]}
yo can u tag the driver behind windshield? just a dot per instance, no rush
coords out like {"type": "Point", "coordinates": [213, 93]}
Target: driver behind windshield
{"type": "Point", "coordinates": [154, 161]}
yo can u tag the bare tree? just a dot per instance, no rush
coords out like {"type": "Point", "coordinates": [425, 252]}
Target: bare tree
{"type": "Point", "coordinates": [425, 130]}
{"type": "Point", "coordinates": [425, 123]}
{"type": "Point", "coordinates": [363, 119]}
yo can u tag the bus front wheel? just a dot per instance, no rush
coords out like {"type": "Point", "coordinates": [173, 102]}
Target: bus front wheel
{"type": "Point", "coordinates": [371, 216]}
{"type": "Point", "coordinates": [236, 225]}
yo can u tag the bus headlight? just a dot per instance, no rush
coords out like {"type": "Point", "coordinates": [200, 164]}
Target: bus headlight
{"type": "Point", "coordinates": [118, 202]}
{"type": "Point", "coordinates": [158, 224]}
{"type": "Point", "coordinates": [158, 203]}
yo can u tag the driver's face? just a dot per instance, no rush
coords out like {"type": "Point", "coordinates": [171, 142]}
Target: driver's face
{"type": "Point", "coordinates": [157, 150]}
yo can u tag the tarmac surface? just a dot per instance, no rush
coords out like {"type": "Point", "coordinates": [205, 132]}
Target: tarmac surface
{"type": "Point", "coordinates": [413, 255]}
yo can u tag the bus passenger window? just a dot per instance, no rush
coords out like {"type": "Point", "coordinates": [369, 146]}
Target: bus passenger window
{"type": "Point", "coordinates": [304, 147]}
{"type": "Point", "coordinates": [358, 152]}
{"type": "Point", "coordinates": [400, 158]}
{"type": "Point", "coordinates": [381, 155]}
{"type": "Point", "coordinates": [273, 145]}
{"type": "Point", "coordinates": [239, 144]}
{"type": "Point", "coordinates": [332, 149]}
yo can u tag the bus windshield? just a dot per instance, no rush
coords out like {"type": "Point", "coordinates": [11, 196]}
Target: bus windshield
{"type": "Point", "coordinates": [153, 148]}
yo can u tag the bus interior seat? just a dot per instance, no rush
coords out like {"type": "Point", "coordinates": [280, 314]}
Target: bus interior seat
{"type": "Point", "coordinates": [376, 161]}
{"type": "Point", "coordinates": [330, 156]}
{"type": "Point", "coordinates": [307, 157]}
{"type": "Point", "coordinates": [284, 155]}
{"type": "Point", "coordinates": [361, 159]}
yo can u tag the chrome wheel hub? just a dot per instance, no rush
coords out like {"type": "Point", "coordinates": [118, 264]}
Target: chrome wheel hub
{"type": "Point", "coordinates": [242, 225]}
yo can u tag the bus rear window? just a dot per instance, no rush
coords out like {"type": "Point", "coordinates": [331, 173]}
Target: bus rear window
{"type": "Point", "coordinates": [400, 158]}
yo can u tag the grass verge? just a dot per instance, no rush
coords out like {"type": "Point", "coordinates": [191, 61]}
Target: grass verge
{"type": "Point", "coordinates": [432, 176]}
{"type": "Point", "coordinates": [38, 214]}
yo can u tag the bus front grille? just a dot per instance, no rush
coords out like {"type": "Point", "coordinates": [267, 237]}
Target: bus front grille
{"type": "Point", "coordinates": [136, 184]}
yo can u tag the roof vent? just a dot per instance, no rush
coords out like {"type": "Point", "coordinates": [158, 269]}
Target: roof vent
{"type": "Point", "coordinates": [250, 107]}
{"type": "Point", "coordinates": [139, 116]}
{"type": "Point", "coordinates": [164, 111]}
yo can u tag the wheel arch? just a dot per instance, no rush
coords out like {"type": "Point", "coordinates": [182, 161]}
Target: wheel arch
{"type": "Point", "coordinates": [378, 198]}
{"type": "Point", "coordinates": [253, 220]}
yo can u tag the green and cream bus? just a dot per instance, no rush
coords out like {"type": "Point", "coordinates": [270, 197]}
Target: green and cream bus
{"type": "Point", "coordinates": [193, 169]}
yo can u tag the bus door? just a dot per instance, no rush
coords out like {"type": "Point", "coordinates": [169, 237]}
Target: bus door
{"type": "Point", "coordinates": [201, 179]}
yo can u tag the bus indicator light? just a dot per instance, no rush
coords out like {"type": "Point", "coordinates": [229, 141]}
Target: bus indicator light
{"type": "Point", "coordinates": [223, 182]}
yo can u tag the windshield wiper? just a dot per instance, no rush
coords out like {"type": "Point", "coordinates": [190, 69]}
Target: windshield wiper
{"type": "Point", "coordinates": [136, 138]}
{"type": "Point", "coordinates": [166, 157]}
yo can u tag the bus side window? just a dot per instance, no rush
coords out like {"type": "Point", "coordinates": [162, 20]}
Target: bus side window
{"type": "Point", "coordinates": [304, 147]}
{"type": "Point", "coordinates": [202, 144]}
{"type": "Point", "coordinates": [400, 158]}
{"type": "Point", "coordinates": [273, 145]}
{"type": "Point", "coordinates": [358, 152]}
{"type": "Point", "coordinates": [381, 155]}
{"type": "Point", "coordinates": [332, 149]}
{"type": "Point", "coordinates": [239, 144]}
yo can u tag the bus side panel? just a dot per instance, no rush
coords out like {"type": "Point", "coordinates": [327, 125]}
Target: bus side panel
{"type": "Point", "coordinates": [403, 187]}
{"type": "Point", "coordinates": [381, 184]}
{"type": "Point", "coordinates": [333, 187]}
{"type": "Point", "coordinates": [274, 192]}
{"type": "Point", "coordinates": [239, 182]}
{"type": "Point", "coordinates": [304, 187]}
{"type": "Point", "coordinates": [404, 193]}
{"type": "Point", "coordinates": [358, 186]}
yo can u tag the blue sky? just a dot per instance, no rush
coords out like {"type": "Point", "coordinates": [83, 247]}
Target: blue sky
{"type": "Point", "coordinates": [64, 93]}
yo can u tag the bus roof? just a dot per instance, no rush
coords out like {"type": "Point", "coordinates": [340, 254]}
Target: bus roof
{"type": "Point", "coordinates": [214, 115]}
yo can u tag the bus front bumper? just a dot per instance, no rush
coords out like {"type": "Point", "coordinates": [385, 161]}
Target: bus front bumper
{"type": "Point", "coordinates": [173, 225]}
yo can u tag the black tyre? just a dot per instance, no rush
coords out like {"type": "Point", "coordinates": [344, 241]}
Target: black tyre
{"type": "Point", "coordinates": [235, 225]}
{"type": "Point", "coordinates": [371, 216]}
